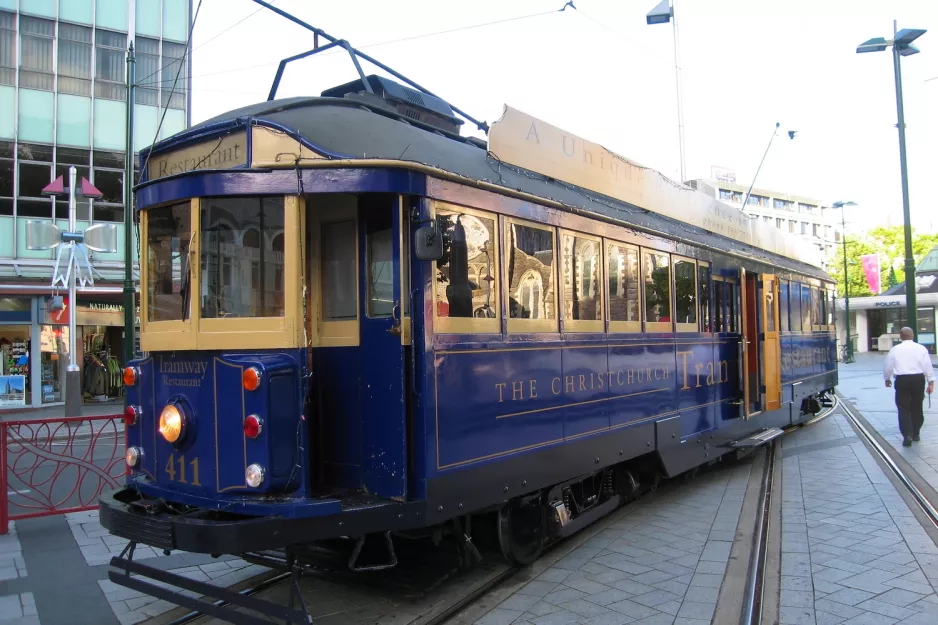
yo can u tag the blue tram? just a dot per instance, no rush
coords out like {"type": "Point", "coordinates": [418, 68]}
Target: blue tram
{"type": "Point", "coordinates": [357, 321]}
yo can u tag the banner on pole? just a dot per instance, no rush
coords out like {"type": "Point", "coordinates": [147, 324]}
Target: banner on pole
{"type": "Point", "coordinates": [870, 264]}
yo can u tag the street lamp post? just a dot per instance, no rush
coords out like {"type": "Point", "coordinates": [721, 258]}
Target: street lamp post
{"type": "Point", "coordinates": [901, 46]}
{"type": "Point", "coordinates": [848, 357]}
{"type": "Point", "coordinates": [662, 14]}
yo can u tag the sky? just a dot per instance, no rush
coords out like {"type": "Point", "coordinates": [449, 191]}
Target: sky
{"type": "Point", "coordinates": [602, 73]}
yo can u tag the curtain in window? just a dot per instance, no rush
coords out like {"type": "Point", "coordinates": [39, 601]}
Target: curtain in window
{"type": "Point", "coordinates": [148, 71]}
{"type": "Point", "coordinates": [7, 48]}
{"type": "Point", "coordinates": [74, 59]}
{"type": "Point", "coordinates": [36, 48]}
{"type": "Point", "coordinates": [110, 65]}
{"type": "Point", "coordinates": [172, 58]}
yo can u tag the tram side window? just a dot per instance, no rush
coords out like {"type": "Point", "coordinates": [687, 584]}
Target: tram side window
{"type": "Point", "coordinates": [783, 324]}
{"type": "Point", "coordinates": [531, 288]}
{"type": "Point", "coordinates": [830, 308]}
{"type": "Point", "coordinates": [467, 276]}
{"type": "Point", "coordinates": [816, 306]}
{"type": "Point", "coordinates": [806, 308]}
{"type": "Point", "coordinates": [731, 308]}
{"type": "Point", "coordinates": [794, 300]}
{"type": "Point", "coordinates": [657, 287]}
{"type": "Point", "coordinates": [242, 267]}
{"type": "Point", "coordinates": [339, 300]}
{"type": "Point", "coordinates": [685, 292]}
{"type": "Point", "coordinates": [379, 246]}
{"type": "Point", "coordinates": [582, 269]}
{"type": "Point", "coordinates": [703, 283]}
{"type": "Point", "coordinates": [168, 274]}
{"type": "Point", "coordinates": [719, 315]}
{"type": "Point", "coordinates": [622, 269]}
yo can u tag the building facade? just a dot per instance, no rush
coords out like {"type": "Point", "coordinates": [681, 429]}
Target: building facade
{"type": "Point", "coordinates": [63, 102]}
{"type": "Point", "coordinates": [800, 216]}
{"type": "Point", "coordinates": [875, 321]}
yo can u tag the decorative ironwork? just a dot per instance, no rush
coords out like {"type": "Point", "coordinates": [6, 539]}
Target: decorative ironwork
{"type": "Point", "coordinates": [56, 466]}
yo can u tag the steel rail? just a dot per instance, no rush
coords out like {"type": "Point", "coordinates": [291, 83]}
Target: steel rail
{"type": "Point", "coordinates": [247, 592]}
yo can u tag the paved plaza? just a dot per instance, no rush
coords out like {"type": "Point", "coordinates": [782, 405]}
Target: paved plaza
{"type": "Point", "coordinates": [850, 549]}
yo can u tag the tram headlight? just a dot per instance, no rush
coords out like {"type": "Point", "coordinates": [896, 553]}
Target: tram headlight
{"type": "Point", "coordinates": [254, 475]}
{"type": "Point", "coordinates": [172, 423]}
{"type": "Point", "coordinates": [133, 456]}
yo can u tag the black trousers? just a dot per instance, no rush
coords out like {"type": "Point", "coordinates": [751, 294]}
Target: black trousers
{"type": "Point", "coordinates": [910, 393]}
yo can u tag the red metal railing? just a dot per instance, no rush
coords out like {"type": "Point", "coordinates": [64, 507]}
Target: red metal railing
{"type": "Point", "coordinates": [55, 466]}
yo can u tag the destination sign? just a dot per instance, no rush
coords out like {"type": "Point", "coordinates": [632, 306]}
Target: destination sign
{"type": "Point", "coordinates": [222, 153]}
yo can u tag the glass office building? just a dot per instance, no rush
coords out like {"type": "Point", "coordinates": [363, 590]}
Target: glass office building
{"type": "Point", "coordinates": [63, 102]}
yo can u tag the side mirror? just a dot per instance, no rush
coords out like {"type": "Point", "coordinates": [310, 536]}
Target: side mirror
{"type": "Point", "coordinates": [428, 243]}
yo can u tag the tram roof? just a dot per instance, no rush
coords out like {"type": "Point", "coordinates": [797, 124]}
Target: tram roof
{"type": "Point", "coordinates": [343, 129]}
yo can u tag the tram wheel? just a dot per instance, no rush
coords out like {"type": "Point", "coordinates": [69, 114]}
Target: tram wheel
{"type": "Point", "coordinates": [521, 533]}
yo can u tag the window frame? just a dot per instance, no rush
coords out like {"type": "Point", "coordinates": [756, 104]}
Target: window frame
{"type": "Point", "coordinates": [470, 325]}
{"type": "Point", "coordinates": [685, 327]}
{"type": "Point", "coordinates": [658, 326]}
{"type": "Point", "coordinates": [625, 327]}
{"type": "Point", "coordinates": [347, 332]}
{"type": "Point", "coordinates": [709, 308]}
{"type": "Point", "coordinates": [517, 325]}
{"type": "Point", "coordinates": [582, 325]}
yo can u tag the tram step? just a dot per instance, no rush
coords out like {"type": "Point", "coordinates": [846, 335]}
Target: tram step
{"type": "Point", "coordinates": [758, 439]}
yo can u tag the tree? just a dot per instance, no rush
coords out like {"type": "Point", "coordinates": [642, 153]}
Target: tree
{"type": "Point", "coordinates": [889, 243]}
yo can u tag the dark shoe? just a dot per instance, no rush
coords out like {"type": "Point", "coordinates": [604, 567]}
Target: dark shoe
{"type": "Point", "coordinates": [906, 442]}
{"type": "Point", "coordinates": [916, 438]}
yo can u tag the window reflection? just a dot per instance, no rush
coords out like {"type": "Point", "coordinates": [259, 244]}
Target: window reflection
{"type": "Point", "coordinates": [466, 275]}
{"type": "Point", "coordinates": [530, 272]}
{"type": "Point", "coordinates": [622, 261]}
{"type": "Point", "coordinates": [657, 287]}
{"type": "Point", "coordinates": [581, 272]}
{"type": "Point", "coordinates": [339, 300]}
{"type": "Point", "coordinates": [168, 278]}
{"type": "Point", "coordinates": [240, 267]}
{"type": "Point", "coordinates": [703, 284]}
{"type": "Point", "coordinates": [685, 291]}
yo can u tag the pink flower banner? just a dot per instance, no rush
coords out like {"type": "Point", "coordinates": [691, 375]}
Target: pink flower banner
{"type": "Point", "coordinates": [870, 264]}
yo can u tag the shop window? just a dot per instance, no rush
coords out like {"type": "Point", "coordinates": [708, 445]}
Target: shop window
{"type": "Point", "coordinates": [582, 287]}
{"type": "Point", "coordinates": [467, 275]}
{"type": "Point", "coordinates": [227, 288]}
{"type": "Point", "coordinates": [530, 268]}
{"type": "Point", "coordinates": [624, 287]}
{"type": "Point", "coordinates": [15, 382]}
{"type": "Point", "coordinates": [53, 359]}
{"type": "Point", "coordinates": [168, 272]}
{"type": "Point", "coordinates": [110, 65]}
{"type": "Point", "coordinates": [657, 289]}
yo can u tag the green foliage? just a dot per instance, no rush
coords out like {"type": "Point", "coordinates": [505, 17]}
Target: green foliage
{"type": "Point", "coordinates": [889, 243]}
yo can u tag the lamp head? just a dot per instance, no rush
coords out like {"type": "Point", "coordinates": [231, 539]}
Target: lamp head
{"type": "Point", "coordinates": [661, 14]}
{"type": "Point", "coordinates": [876, 44]}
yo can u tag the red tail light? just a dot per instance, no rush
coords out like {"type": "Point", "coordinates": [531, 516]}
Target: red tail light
{"type": "Point", "coordinates": [253, 426]}
{"type": "Point", "coordinates": [131, 414]}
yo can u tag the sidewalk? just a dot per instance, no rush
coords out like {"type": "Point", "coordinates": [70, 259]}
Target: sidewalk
{"type": "Point", "coordinates": [90, 409]}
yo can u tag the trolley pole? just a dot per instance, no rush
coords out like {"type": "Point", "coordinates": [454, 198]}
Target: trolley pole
{"type": "Point", "coordinates": [129, 306]}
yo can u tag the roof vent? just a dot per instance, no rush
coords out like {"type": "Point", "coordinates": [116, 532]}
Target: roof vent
{"type": "Point", "coordinates": [403, 100]}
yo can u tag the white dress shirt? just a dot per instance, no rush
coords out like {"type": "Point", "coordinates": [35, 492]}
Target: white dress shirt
{"type": "Point", "coordinates": [908, 358]}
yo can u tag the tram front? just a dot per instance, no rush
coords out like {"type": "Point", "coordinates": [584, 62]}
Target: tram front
{"type": "Point", "coordinates": [260, 290]}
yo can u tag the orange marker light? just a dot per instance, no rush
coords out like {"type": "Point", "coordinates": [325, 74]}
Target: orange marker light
{"type": "Point", "coordinates": [130, 376]}
{"type": "Point", "coordinates": [251, 379]}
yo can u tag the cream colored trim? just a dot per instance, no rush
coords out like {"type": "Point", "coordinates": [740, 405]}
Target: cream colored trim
{"type": "Point", "coordinates": [658, 326]}
{"type": "Point", "coordinates": [273, 148]}
{"type": "Point", "coordinates": [172, 335]}
{"type": "Point", "coordinates": [532, 325]}
{"type": "Point", "coordinates": [583, 325]}
{"type": "Point", "coordinates": [625, 326]}
{"type": "Point", "coordinates": [470, 325]}
{"type": "Point", "coordinates": [345, 332]}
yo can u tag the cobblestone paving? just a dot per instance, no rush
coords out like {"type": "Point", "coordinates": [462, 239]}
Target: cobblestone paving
{"type": "Point", "coordinates": [655, 564]}
{"type": "Point", "coordinates": [862, 383]}
{"type": "Point", "coordinates": [852, 552]}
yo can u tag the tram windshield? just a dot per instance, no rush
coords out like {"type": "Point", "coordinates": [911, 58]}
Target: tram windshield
{"type": "Point", "coordinates": [167, 247]}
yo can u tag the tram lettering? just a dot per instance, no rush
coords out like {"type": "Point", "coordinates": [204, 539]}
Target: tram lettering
{"type": "Point", "coordinates": [532, 393]}
{"type": "Point", "coordinates": [569, 385]}
{"type": "Point", "coordinates": [533, 131]}
{"type": "Point", "coordinates": [501, 386]}
{"type": "Point", "coordinates": [555, 386]}
{"type": "Point", "coordinates": [684, 356]}
{"type": "Point", "coordinates": [183, 366]}
{"type": "Point", "coordinates": [517, 390]}
{"type": "Point", "coordinates": [187, 382]}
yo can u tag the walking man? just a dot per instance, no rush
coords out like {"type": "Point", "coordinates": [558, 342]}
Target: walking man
{"type": "Point", "coordinates": [911, 365]}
